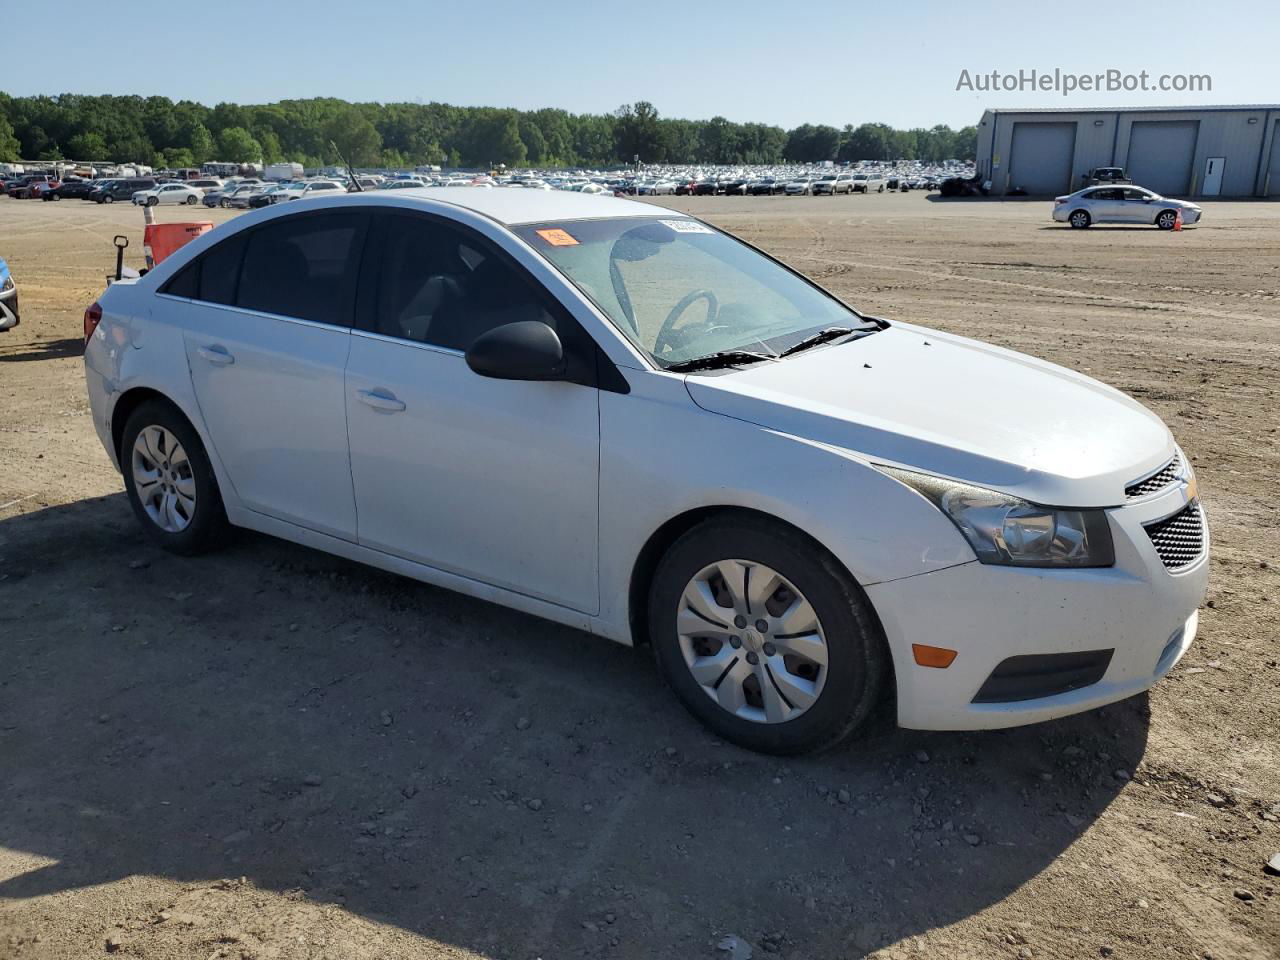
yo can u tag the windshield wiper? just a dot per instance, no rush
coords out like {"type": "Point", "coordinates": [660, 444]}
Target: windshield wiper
{"type": "Point", "coordinates": [824, 336]}
{"type": "Point", "coordinates": [720, 360]}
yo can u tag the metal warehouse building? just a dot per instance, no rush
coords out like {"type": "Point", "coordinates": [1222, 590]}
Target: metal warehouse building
{"type": "Point", "coordinates": [1230, 151]}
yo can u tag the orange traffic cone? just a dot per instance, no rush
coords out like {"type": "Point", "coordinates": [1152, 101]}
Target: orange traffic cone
{"type": "Point", "coordinates": [1177, 220]}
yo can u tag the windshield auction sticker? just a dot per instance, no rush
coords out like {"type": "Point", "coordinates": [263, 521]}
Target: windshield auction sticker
{"type": "Point", "coordinates": [558, 237]}
{"type": "Point", "coordinates": [686, 226]}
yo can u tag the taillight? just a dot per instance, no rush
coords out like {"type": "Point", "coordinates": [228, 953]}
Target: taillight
{"type": "Point", "coordinates": [91, 318]}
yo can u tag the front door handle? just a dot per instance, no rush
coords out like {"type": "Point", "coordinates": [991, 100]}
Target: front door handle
{"type": "Point", "coordinates": [218, 355]}
{"type": "Point", "coordinates": [380, 400]}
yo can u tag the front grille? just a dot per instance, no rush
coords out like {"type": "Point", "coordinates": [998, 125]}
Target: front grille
{"type": "Point", "coordinates": [1179, 539]}
{"type": "Point", "coordinates": [1169, 473]}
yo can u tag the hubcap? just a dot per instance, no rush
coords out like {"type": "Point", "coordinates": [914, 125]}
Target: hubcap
{"type": "Point", "coordinates": [163, 479]}
{"type": "Point", "coordinates": [752, 641]}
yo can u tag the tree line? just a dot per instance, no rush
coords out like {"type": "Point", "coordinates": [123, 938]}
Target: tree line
{"type": "Point", "coordinates": [161, 133]}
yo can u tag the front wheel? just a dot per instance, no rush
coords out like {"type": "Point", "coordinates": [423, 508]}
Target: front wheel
{"type": "Point", "coordinates": [169, 480]}
{"type": "Point", "coordinates": [765, 637]}
{"type": "Point", "coordinates": [1166, 219]}
{"type": "Point", "coordinates": [191, 200]}
{"type": "Point", "coordinates": [1080, 219]}
{"type": "Point", "coordinates": [152, 201]}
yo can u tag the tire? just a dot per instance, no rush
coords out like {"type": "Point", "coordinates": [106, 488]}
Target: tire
{"type": "Point", "coordinates": [108, 198]}
{"type": "Point", "coordinates": [153, 201]}
{"type": "Point", "coordinates": [1165, 219]}
{"type": "Point", "coordinates": [191, 201]}
{"type": "Point", "coordinates": [847, 633]}
{"type": "Point", "coordinates": [205, 525]}
{"type": "Point", "coordinates": [1080, 219]}
{"type": "Point", "coordinates": [880, 189]}
{"type": "Point", "coordinates": [223, 204]}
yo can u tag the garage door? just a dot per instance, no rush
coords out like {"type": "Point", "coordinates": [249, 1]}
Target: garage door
{"type": "Point", "coordinates": [1161, 153]}
{"type": "Point", "coordinates": [1041, 154]}
{"type": "Point", "coordinates": [1272, 185]}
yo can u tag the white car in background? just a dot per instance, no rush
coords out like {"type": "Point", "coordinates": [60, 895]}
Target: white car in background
{"type": "Point", "coordinates": [1126, 204]}
{"type": "Point", "coordinates": [620, 418]}
{"type": "Point", "coordinates": [867, 182]}
{"type": "Point", "coordinates": [205, 185]}
{"type": "Point", "coordinates": [168, 193]}
{"type": "Point", "coordinates": [316, 188]}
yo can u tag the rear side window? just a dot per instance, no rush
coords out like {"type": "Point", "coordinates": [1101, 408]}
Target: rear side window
{"type": "Point", "coordinates": [304, 267]}
{"type": "Point", "coordinates": [220, 270]}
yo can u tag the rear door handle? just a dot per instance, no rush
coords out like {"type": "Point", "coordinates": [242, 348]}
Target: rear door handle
{"type": "Point", "coordinates": [218, 355]}
{"type": "Point", "coordinates": [380, 400]}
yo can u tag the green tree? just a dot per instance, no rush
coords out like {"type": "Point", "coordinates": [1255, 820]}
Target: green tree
{"type": "Point", "coordinates": [639, 133]}
{"type": "Point", "coordinates": [88, 146]}
{"type": "Point", "coordinates": [236, 145]}
{"type": "Point", "coordinates": [357, 138]}
{"type": "Point", "coordinates": [9, 145]}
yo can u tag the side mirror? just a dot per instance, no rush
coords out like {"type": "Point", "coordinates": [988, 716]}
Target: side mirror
{"type": "Point", "coordinates": [527, 350]}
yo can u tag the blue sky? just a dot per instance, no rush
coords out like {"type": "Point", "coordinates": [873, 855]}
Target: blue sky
{"type": "Point", "coordinates": [783, 63]}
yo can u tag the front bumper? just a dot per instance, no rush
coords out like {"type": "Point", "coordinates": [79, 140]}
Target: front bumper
{"type": "Point", "coordinates": [1142, 612]}
{"type": "Point", "coordinates": [9, 317]}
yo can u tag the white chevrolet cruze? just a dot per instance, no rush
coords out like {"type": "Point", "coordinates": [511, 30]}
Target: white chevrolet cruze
{"type": "Point", "coordinates": [617, 417]}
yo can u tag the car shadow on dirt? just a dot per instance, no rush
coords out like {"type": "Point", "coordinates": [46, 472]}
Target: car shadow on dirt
{"type": "Point", "coordinates": [43, 350]}
{"type": "Point", "coordinates": [472, 774]}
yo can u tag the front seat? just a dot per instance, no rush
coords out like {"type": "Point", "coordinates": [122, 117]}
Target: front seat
{"type": "Point", "coordinates": [492, 296]}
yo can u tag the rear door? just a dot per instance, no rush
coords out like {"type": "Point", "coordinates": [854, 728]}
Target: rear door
{"type": "Point", "coordinates": [267, 324]}
{"type": "Point", "coordinates": [1106, 204]}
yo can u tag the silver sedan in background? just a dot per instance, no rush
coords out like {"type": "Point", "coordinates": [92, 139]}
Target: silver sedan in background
{"type": "Point", "coordinates": [1122, 205]}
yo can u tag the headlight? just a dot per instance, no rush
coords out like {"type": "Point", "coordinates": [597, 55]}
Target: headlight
{"type": "Point", "coordinates": [7, 285]}
{"type": "Point", "coordinates": [1006, 530]}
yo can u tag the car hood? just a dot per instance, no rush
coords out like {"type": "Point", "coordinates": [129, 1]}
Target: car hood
{"type": "Point", "coordinates": [954, 407]}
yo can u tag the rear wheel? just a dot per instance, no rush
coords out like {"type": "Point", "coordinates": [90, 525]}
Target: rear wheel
{"type": "Point", "coordinates": [169, 480]}
{"type": "Point", "coordinates": [1080, 219]}
{"type": "Point", "coordinates": [108, 198]}
{"type": "Point", "coordinates": [765, 637]}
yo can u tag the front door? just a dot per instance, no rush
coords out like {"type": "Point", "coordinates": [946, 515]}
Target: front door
{"type": "Point", "coordinates": [1213, 167]}
{"type": "Point", "coordinates": [267, 346]}
{"type": "Point", "coordinates": [493, 480]}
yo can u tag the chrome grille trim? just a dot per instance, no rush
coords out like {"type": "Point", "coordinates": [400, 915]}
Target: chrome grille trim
{"type": "Point", "coordinates": [1179, 539]}
{"type": "Point", "coordinates": [1169, 474]}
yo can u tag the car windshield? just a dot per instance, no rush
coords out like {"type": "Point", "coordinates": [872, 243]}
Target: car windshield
{"type": "Point", "coordinates": [679, 289]}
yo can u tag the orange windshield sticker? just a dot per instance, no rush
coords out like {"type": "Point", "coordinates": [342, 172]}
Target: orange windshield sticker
{"type": "Point", "coordinates": [558, 238]}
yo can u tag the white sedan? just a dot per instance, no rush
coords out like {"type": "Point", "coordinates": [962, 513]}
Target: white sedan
{"type": "Point", "coordinates": [1123, 205]}
{"type": "Point", "coordinates": [316, 188]}
{"type": "Point", "coordinates": [617, 417]}
{"type": "Point", "coordinates": [168, 193]}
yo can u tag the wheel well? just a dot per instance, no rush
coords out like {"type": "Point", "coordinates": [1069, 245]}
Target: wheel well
{"type": "Point", "coordinates": [661, 540]}
{"type": "Point", "coordinates": [129, 402]}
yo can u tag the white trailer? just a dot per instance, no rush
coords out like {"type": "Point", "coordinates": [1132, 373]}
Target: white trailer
{"type": "Point", "coordinates": [284, 171]}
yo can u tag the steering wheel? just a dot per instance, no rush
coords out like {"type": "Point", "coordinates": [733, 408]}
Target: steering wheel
{"type": "Point", "coordinates": [667, 336]}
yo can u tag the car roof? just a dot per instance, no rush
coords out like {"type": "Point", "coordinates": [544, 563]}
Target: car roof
{"type": "Point", "coordinates": [512, 207]}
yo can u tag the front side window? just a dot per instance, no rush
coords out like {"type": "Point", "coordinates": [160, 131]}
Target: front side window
{"type": "Point", "coordinates": [679, 289]}
{"type": "Point", "coordinates": [439, 286]}
{"type": "Point", "coordinates": [304, 267]}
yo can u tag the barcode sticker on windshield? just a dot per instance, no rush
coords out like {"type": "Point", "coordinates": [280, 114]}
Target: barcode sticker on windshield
{"type": "Point", "coordinates": [558, 238]}
{"type": "Point", "coordinates": [687, 226]}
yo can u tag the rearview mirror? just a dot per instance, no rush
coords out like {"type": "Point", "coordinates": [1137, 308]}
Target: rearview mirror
{"type": "Point", "coordinates": [527, 350]}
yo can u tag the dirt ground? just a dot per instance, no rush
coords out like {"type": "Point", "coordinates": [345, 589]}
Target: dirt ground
{"type": "Point", "coordinates": [272, 753]}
